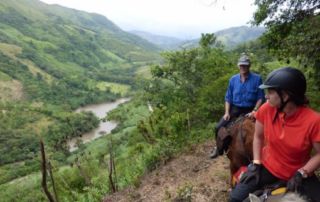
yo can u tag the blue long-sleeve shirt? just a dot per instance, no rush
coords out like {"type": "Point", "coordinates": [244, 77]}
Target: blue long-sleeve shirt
{"type": "Point", "coordinates": [244, 94]}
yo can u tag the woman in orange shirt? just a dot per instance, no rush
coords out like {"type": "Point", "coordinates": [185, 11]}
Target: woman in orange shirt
{"type": "Point", "coordinates": [286, 131]}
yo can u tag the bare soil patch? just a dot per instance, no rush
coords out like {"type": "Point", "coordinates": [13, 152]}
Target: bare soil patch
{"type": "Point", "coordinates": [11, 90]}
{"type": "Point", "coordinates": [191, 176]}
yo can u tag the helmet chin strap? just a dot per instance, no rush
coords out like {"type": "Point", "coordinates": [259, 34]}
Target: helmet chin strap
{"type": "Point", "coordinates": [282, 105]}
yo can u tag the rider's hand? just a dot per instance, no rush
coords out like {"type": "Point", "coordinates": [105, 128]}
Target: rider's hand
{"type": "Point", "coordinates": [253, 173]}
{"type": "Point", "coordinates": [251, 115]}
{"type": "Point", "coordinates": [226, 116]}
{"type": "Point", "coordinates": [295, 182]}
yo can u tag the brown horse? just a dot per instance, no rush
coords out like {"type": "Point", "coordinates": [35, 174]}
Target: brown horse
{"type": "Point", "coordinates": [239, 134]}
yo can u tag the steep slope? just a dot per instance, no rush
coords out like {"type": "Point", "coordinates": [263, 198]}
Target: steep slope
{"type": "Point", "coordinates": [233, 36]}
{"type": "Point", "coordinates": [191, 176]}
{"type": "Point", "coordinates": [52, 43]}
{"type": "Point", "coordinates": [53, 60]}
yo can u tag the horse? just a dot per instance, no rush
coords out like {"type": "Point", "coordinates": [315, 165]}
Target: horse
{"type": "Point", "coordinates": [239, 136]}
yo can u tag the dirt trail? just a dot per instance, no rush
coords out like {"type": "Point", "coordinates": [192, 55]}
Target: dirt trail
{"type": "Point", "coordinates": [191, 176]}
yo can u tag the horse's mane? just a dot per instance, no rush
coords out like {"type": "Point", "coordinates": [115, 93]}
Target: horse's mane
{"type": "Point", "coordinates": [240, 150]}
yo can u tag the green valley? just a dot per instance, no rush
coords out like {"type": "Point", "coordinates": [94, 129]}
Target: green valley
{"type": "Point", "coordinates": [54, 60]}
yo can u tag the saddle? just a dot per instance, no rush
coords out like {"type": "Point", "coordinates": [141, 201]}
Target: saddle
{"type": "Point", "coordinates": [270, 193]}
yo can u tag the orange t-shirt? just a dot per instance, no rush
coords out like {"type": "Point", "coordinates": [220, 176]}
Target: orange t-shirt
{"type": "Point", "coordinates": [288, 141]}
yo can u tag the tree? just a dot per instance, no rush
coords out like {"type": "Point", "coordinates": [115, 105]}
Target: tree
{"type": "Point", "coordinates": [293, 29]}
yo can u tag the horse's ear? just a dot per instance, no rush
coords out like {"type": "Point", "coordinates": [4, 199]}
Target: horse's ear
{"type": "Point", "coordinates": [254, 198]}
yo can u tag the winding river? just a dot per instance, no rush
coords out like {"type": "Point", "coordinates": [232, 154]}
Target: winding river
{"type": "Point", "coordinates": [100, 110]}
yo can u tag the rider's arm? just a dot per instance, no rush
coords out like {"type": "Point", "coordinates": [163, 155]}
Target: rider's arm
{"type": "Point", "coordinates": [314, 162]}
{"type": "Point", "coordinates": [256, 107]}
{"type": "Point", "coordinates": [227, 108]}
{"type": "Point", "coordinates": [258, 139]}
{"type": "Point", "coordinates": [258, 104]}
{"type": "Point", "coordinates": [226, 115]}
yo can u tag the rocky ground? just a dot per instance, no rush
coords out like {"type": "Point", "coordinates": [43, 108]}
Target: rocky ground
{"type": "Point", "coordinates": [191, 176]}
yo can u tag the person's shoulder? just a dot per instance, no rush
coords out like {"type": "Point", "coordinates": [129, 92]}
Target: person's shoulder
{"type": "Point", "coordinates": [255, 75]}
{"type": "Point", "coordinates": [235, 76]}
{"type": "Point", "coordinates": [264, 112]}
{"type": "Point", "coordinates": [311, 114]}
{"type": "Point", "coordinates": [266, 107]}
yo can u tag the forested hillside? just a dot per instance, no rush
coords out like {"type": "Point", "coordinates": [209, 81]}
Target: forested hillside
{"type": "Point", "coordinates": [231, 37]}
{"type": "Point", "coordinates": [234, 36]}
{"type": "Point", "coordinates": [172, 111]}
{"type": "Point", "coordinates": [165, 42]}
{"type": "Point", "coordinates": [53, 60]}
{"type": "Point", "coordinates": [43, 44]}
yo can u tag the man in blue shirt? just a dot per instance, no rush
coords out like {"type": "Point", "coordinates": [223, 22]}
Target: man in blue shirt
{"type": "Point", "coordinates": [243, 96]}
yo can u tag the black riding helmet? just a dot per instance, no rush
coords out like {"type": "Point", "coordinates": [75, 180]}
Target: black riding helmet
{"type": "Point", "coordinates": [290, 80]}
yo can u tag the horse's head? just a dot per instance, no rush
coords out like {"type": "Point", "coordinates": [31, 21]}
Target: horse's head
{"type": "Point", "coordinates": [242, 138]}
{"type": "Point", "coordinates": [240, 149]}
{"type": "Point", "coordinates": [224, 138]}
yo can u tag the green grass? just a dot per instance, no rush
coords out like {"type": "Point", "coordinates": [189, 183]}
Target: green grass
{"type": "Point", "coordinates": [10, 90]}
{"type": "Point", "coordinates": [34, 69]}
{"type": "Point", "coordinates": [144, 72]}
{"type": "Point", "coordinates": [67, 67]}
{"type": "Point", "coordinates": [116, 88]}
{"type": "Point", "coordinates": [4, 77]}
{"type": "Point", "coordinates": [25, 185]}
{"type": "Point", "coordinates": [11, 32]}
{"type": "Point", "coordinates": [10, 49]}
{"type": "Point", "coordinates": [113, 56]}
{"type": "Point", "coordinates": [40, 44]}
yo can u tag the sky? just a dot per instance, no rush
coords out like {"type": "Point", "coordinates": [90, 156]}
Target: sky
{"type": "Point", "coordinates": [185, 19]}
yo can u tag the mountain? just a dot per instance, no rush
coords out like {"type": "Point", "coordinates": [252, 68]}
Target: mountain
{"type": "Point", "coordinates": [50, 46]}
{"type": "Point", "coordinates": [53, 60]}
{"type": "Point", "coordinates": [232, 37]}
{"type": "Point", "coordinates": [164, 42]}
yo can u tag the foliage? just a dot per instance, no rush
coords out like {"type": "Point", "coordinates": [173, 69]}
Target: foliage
{"type": "Point", "coordinates": [23, 125]}
{"type": "Point", "coordinates": [293, 30]}
{"type": "Point", "coordinates": [230, 38]}
{"type": "Point", "coordinates": [59, 57]}
{"type": "Point", "coordinates": [66, 59]}
{"type": "Point", "coordinates": [183, 82]}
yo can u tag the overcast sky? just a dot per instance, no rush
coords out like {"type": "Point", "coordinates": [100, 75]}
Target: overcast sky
{"type": "Point", "coordinates": [180, 18]}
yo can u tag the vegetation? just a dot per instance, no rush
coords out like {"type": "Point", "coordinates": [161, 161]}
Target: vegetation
{"type": "Point", "coordinates": [65, 59]}
{"type": "Point", "coordinates": [230, 38]}
{"type": "Point", "coordinates": [52, 61]}
{"type": "Point", "coordinates": [186, 99]}
{"type": "Point", "coordinates": [293, 30]}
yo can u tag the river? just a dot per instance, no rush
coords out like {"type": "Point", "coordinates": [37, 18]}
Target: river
{"type": "Point", "coordinates": [100, 110]}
